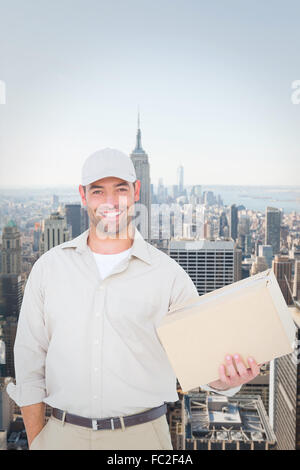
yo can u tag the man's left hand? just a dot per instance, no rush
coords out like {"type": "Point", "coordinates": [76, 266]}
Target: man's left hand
{"type": "Point", "coordinates": [238, 373]}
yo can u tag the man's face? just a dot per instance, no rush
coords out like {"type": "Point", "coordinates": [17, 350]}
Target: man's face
{"type": "Point", "coordinates": [110, 205]}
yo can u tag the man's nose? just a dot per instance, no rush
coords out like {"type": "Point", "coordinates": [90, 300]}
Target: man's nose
{"type": "Point", "coordinates": [111, 200]}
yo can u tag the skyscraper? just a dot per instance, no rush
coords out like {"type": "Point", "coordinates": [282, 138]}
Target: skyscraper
{"type": "Point", "coordinates": [142, 168]}
{"type": "Point", "coordinates": [180, 179]}
{"type": "Point", "coordinates": [296, 283]}
{"type": "Point", "coordinates": [11, 249]}
{"type": "Point", "coordinates": [282, 267]}
{"type": "Point", "coordinates": [284, 408]}
{"type": "Point", "coordinates": [10, 295]}
{"type": "Point", "coordinates": [244, 235]}
{"type": "Point", "coordinates": [233, 222]}
{"type": "Point", "coordinates": [272, 231]}
{"type": "Point", "coordinates": [267, 252]}
{"type": "Point", "coordinates": [223, 225]}
{"type": "Point", "coordinates": [37, 236]}
{"type": "Point", "coordinates": [55, 231]}
{"type": "Point", "coordinates": [85, 223]}
{"type": "Point", "coordinates": [73, 215]}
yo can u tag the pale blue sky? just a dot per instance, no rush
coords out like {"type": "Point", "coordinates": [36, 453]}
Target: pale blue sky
{"type": "Point", "coordinates": [212, 79]}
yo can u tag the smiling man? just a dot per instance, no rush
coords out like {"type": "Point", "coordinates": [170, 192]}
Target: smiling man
{"type": "Point", "coordinates": [86, 342]}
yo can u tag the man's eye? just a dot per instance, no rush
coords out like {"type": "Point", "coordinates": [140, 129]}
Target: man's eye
{"type": "Point", "coordinates": [96, 192]}
{"type": "Point", "coordinates": [123, 189]}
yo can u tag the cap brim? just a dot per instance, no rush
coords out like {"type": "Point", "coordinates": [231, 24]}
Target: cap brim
{"type": "Point", "coordinates": [88, 180]}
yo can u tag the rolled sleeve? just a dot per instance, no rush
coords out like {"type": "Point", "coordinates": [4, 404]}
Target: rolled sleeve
{"type": "Point", "coordinates": [227, 393]}
{"type": "Point", "coordinates": [31, 343]}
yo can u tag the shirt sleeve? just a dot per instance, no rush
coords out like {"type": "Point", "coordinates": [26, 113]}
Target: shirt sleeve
{"type": "Point", "coordinates": [228, 393]}
{"type": "Point", "coordinates": [183, 288]}
{"type": "Point", "coordinates": [31, 344]}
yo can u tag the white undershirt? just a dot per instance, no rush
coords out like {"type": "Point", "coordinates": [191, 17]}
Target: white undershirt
{"type": "Point", "coordinates": [106, 263]}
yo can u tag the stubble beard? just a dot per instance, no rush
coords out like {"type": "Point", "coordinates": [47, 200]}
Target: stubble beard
{"type": "Point", "coordinates": [111, 229]}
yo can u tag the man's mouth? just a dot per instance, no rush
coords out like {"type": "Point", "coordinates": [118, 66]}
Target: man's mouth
{"type": "Point", "coordinates": [110, 214]}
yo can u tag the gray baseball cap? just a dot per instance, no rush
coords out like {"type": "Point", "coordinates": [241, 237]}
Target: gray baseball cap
{"type": "Point", "coordinates": [107, 162]}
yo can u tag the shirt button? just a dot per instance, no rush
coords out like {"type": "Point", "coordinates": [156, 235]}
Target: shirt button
{"type": "Point", "coordinates": [95, 397]}
{"type": "Point", "coordinates": [97, 314]}
{"type": "Point", "coordinates": [102, 287]}
{"type": "Point", "coordinates": [96, 341]}
{"type": "Point", "coordinates": [96, 369]}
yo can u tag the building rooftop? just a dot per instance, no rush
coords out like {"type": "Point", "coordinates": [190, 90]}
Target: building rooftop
{"type": "Point", "coordinates": [219, 418]}
{"type": "Point", "coordinates": [183, 244]}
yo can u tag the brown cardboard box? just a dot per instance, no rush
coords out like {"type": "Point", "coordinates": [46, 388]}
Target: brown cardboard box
{"type": "Point", "coordinates": [249, 317]}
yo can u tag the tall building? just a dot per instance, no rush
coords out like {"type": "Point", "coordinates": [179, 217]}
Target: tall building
{"type": "Point", "coordinates": [237, 264]}
{"type": "Point", "coordinates": [85, 223]}
{"type": "Point", "coordinates": [55, 231]}
{"type": "Point", "coordinates": [37, 236]}
{"type": "Point", "coordinates": [233, 222]}
{"type": "Point", "coordinates": [11, 249]}
{"type": "Point", "coordinates": [209, 198]}
{"type": "Point", "coordinates": [267, 252]}
{"type": "Point", "coordinates": [210, 264]}
{"type": "Point", "coordinates": [142, 168]}
{"type": "Point", "coordinates": [284, 408]}
{"type": "Point", "coordinates": [282, 267]}
{"type": "Point", "coordinates": [180, 179]}
{"type": "Point", "coordinates": [160, 191]}
{"type": "Point", "coordinates": [296, 283]}
{"type": "Point", "coordinates": [8, 335]}
{"type": "Point", "coordinates": [10, 295]}
{"type": "Point", "coordinates": [73, 215]}
{"type": "Point", "coordinates": [6, 414]}
{"type": "Point", "coordinates": [55, 202]}
{"type": "Point", "coordinates": [272, 229]}
{"type": "Point", "coordinates": [223, 225]}
{"type": "Point", "coordinates": [259, 265]}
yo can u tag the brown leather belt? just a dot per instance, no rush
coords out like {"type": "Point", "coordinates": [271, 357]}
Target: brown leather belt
{"type": "Point", "coordinates": [115, 422]}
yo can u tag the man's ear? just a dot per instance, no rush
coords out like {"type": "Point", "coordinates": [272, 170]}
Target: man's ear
{"type": "Point", "coordinates": [137, 188]}
{"type": "Point", "coordinates": [82, 192]}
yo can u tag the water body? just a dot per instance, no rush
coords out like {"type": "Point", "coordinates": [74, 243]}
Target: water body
{"type": "Point", "coordinates": [258, 198]}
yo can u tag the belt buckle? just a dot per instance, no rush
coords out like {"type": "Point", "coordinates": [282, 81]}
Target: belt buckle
{"type": "Point", "coordinates": [95, 425]}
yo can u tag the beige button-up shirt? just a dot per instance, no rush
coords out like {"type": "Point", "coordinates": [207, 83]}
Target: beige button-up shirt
{"type": "Point", "coordinates": [89, 345]}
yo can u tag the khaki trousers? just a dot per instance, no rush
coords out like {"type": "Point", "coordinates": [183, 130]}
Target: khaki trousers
{"type": "Point", "coordinates": [55, 435]}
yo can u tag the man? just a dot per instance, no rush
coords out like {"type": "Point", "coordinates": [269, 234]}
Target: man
{"type": "Point", "coordinates": [86, 341]}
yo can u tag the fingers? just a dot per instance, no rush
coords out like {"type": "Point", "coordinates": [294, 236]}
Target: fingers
{"type": "Point", "coordinates": [222, 375]}
{"type": "Point", "coordinates": [242, 370]}
{"type": "Point", "coordinates": [254, 366]}
{"type": "Point", "coordinates": [237, 371]}
{"type": "Point", "coordinates": [230, 367]}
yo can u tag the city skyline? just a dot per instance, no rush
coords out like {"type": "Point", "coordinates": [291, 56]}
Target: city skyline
{"type": "Point", "coordinates": [213, 83]}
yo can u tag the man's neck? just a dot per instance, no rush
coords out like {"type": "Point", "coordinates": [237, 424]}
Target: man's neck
{"type": "Point", "coordinates": [110, 246]}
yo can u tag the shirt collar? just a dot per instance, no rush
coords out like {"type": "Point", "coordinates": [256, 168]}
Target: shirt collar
{"type": "Point", "coordinates": [139, 247]}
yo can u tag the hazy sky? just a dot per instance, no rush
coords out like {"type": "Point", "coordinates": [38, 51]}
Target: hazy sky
{"type": "Point", "coordinates": [212, 79]}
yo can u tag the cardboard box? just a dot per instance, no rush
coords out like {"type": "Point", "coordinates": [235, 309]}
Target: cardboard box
{"type": "Point", "coordinates": [249, 317]}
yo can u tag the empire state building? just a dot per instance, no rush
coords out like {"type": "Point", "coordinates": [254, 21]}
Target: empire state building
{"type": "Point", "coordinates": [142, 168]}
